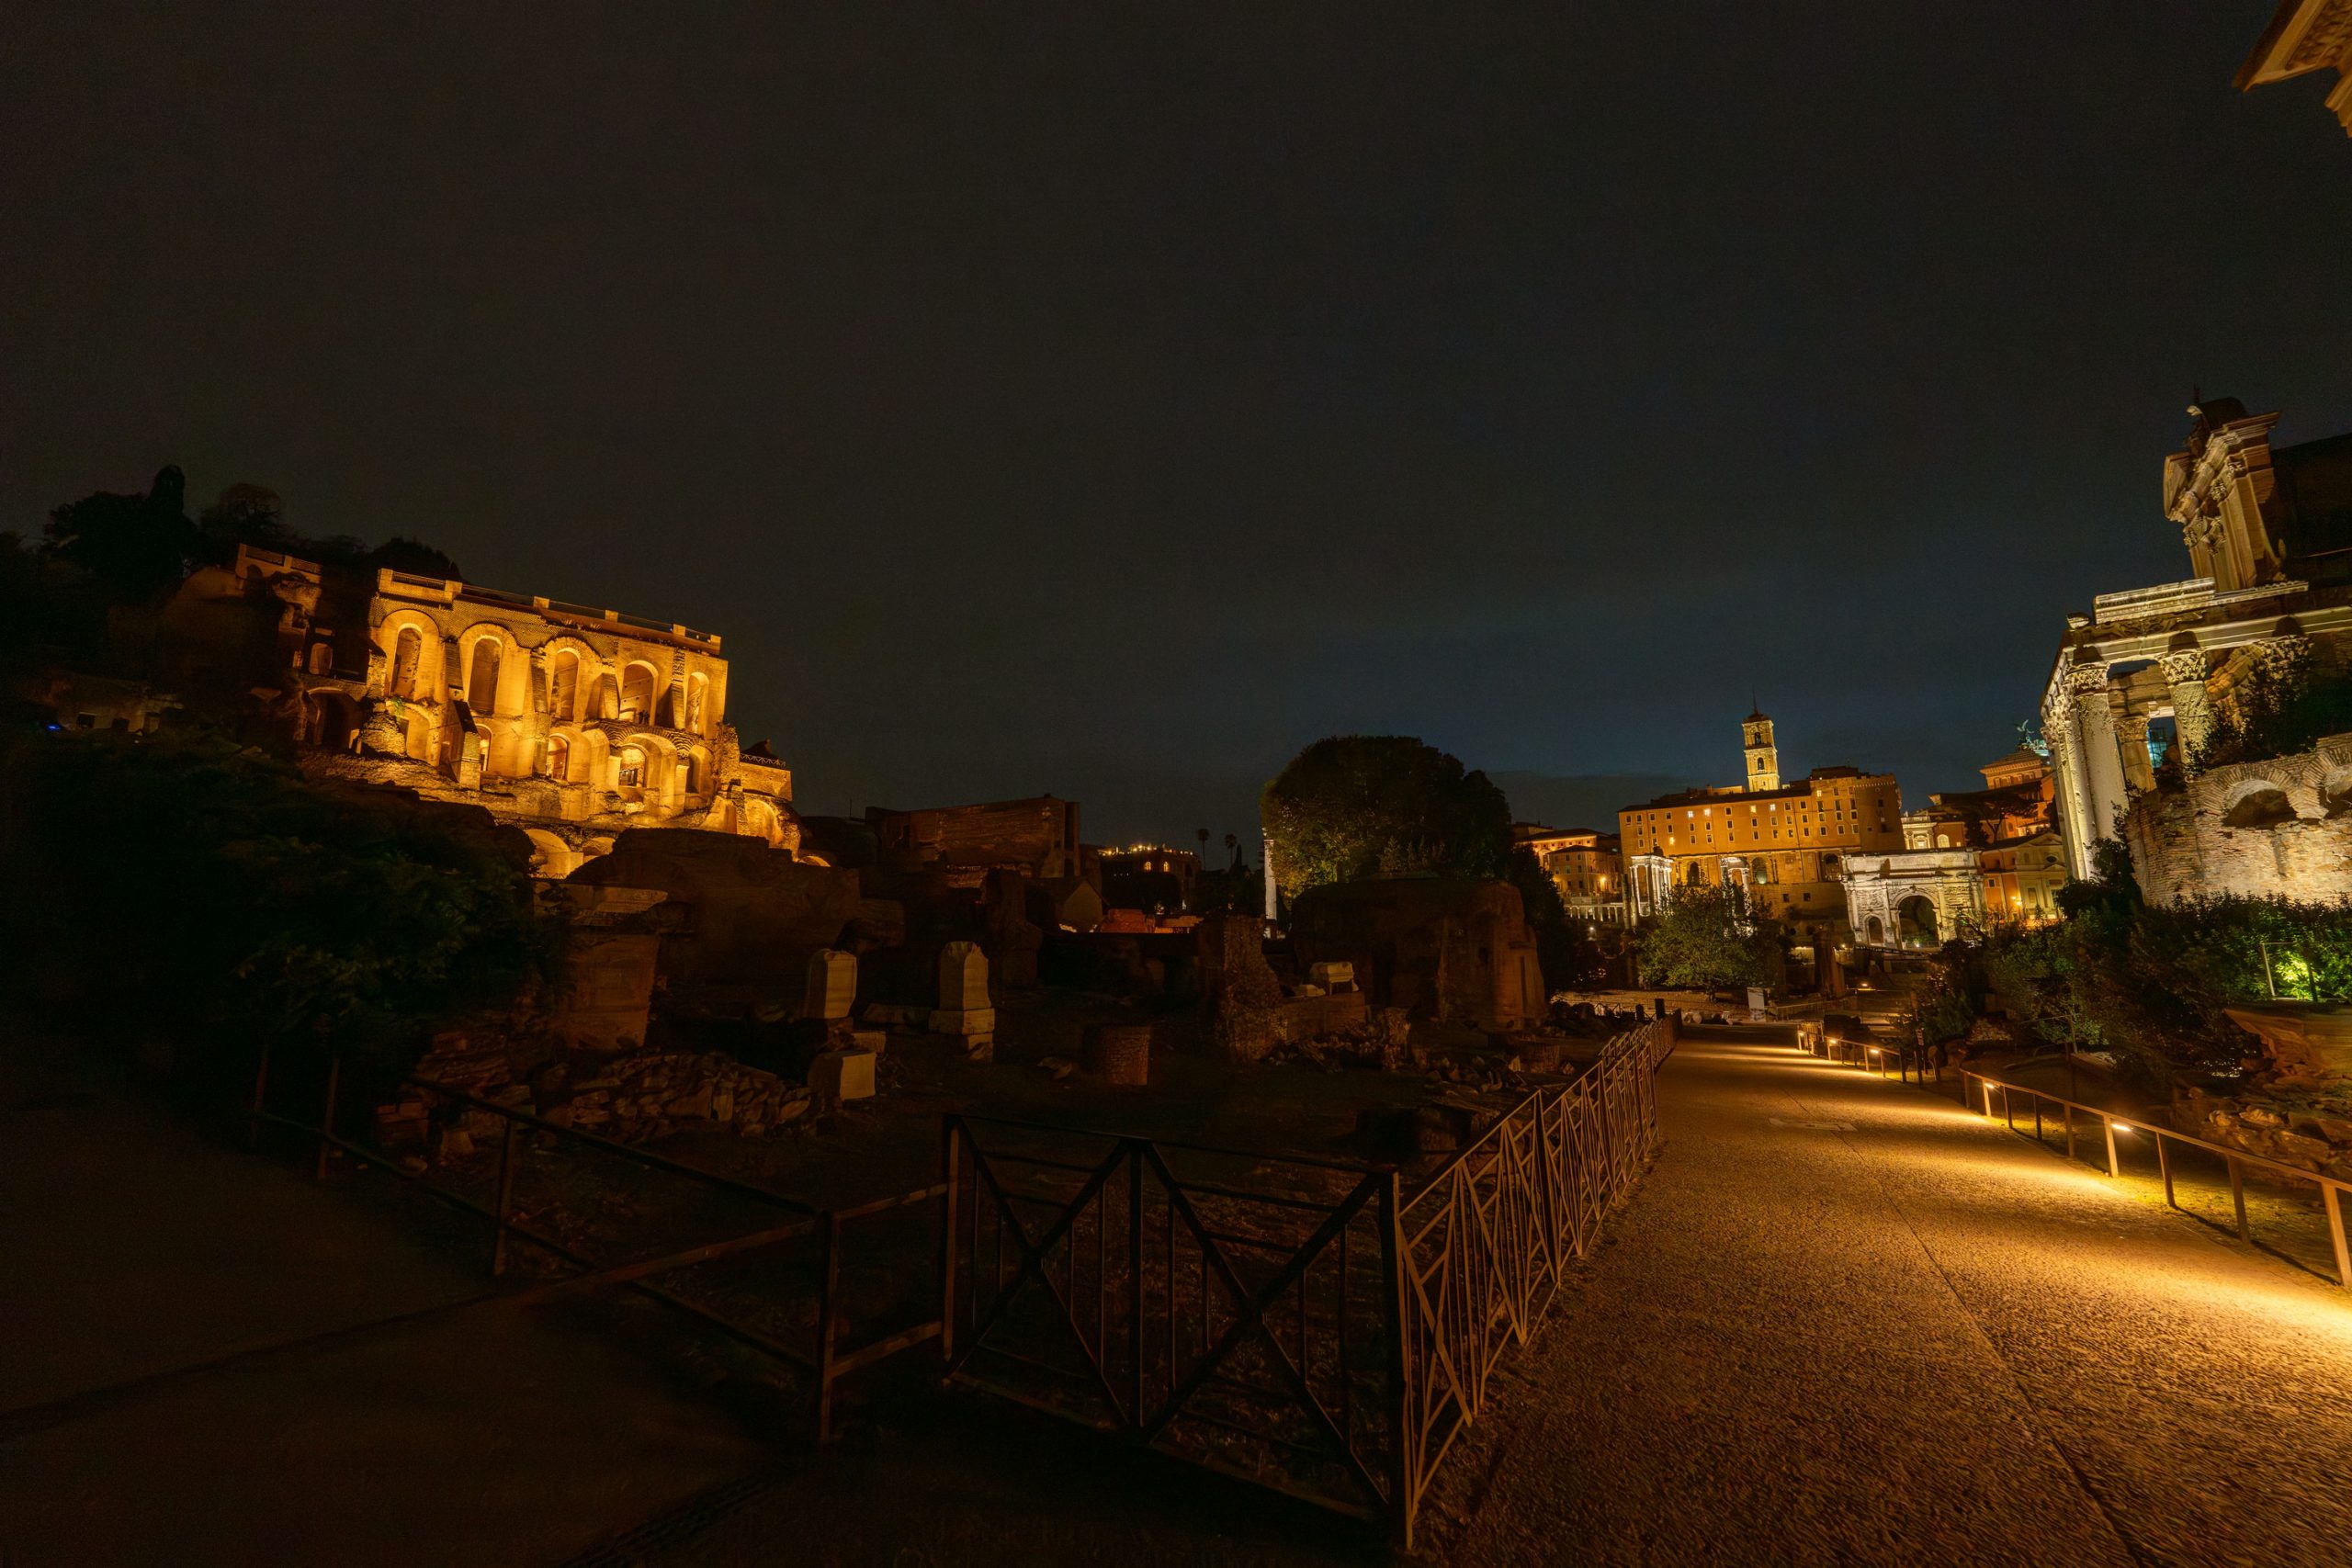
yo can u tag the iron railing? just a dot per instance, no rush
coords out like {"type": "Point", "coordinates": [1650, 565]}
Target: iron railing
{"type": "Point", "coordinates": [1302, 1324]}
{"type": "Point", "coordinates": [1979, 1090]}
{"type": "Point", "coordinates": [1486, 1241]}
{"type": "Point", "coordinates": [823, 1359]}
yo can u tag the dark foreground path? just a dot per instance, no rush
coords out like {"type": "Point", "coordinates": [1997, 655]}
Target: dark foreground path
{"type": "Point", "coordinates": [1847, 1322]}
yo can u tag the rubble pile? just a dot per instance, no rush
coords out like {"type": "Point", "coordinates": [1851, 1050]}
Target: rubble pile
{"type": "Point", "coordinates": [628, 1099]}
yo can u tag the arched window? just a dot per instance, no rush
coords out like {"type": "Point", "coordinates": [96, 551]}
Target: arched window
{"type": "Point", "coordinates": [563, 685]}
{"type": "Point", "coordinates": [636, 692]}
{"type": "Point", "coordinates": [698, 702]}
{"type": "Point", "coordinates": [632, 767]}
{"type": "Point", "coordinates": [321, 657]}
{"type": "Point", "coordinates": [481, 681]}
{"type": "Point", "coordinates": [408, 651]}
{"type": "Point", "coordinates": [690, 773]}
{"type": "Point", "coordinates": [558, 757]}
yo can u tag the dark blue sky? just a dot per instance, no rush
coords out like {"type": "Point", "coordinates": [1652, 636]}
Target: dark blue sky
{"type": "Point", "coordinates": [1051, 399]}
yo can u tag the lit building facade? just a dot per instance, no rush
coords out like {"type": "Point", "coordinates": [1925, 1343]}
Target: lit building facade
{"type": "Point", "coordinates": [1786, 845]}
{"type": "Point", "coordinates": [571, 722]}
{"type": "Point", "coordinates": [1584, 864]}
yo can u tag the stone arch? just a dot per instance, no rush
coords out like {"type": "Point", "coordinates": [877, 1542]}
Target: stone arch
{"type": "Point", "coordinates": [2335, 792]}
{"type": "Point", "coordinates": [550, 856]}
{"type": "Point", "coordinates": [1877, 933]}
{"type": "Point", "coordinates": [1916, 921]}
{"type": "Point", "coordinates": [411, 643]}
{"type": "Point", "coordinates": [2257, 804]}
{"type": "Point", "coordinates": [566, 684]}
{"type": "Point", "coordinates": [573, 667]}
{"type": "Point", "coordinates": [654, 762]}
{"type": "Point", "coordinates": [640, 682]}
{"type": "Point", "coordinates": [697, 717]}
{"type": "Point", "coordinates": [496, 672]}
{"type": "Point", "coordinates": [693, 770]}
{"type": "Point", "coordinates": [557, 764]}
{"type": "Point", "coordinates": [330, 720]}
{"type": "Point", "coordinates": [591, 759]}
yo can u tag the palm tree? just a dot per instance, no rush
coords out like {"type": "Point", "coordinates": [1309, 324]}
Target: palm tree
{"type": "Point", "coordinates": [1234, 845]}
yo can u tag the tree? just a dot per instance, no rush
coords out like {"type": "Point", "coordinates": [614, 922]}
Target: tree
{"type": "Point", "coordinates": [134, 546]}
{"type": "Point", "coordinates": [200, 888]}
{"type": "Point", "coordinates": [1708, 939]}
{"type": "Point", "coordinates": [1353, 807]}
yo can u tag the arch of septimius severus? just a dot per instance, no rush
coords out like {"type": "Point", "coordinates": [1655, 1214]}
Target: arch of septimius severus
{"type": "Point", "coordinates": [2269, 538]}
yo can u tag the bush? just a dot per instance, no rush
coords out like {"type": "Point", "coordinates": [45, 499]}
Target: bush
{"type": "Point", "coordinates": [2277, 710]}
{"type": "Point", "coordinates": [2152, 983]}
{"type": "Point", "coordinates": [189, 884]}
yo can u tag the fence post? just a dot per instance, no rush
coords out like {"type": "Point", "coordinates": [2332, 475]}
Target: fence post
{"type": "Point", "coordinates": [505, 1198]}
{"type": "Point", "coordinates": [261, 1087]}
{"type": "Point", "coordinates": [1402, 1465]}
{"type": "Point", "coordinates": [1135, 1280]}
{"type": "Point", "coordinates": [950, 1173]}
{"type": "Point", "coordinates": [2237, 1196]}
{"type": "Point", "coordinates": [826, 1307]}
{"type": "Point", "coordinates": [2332, 1196]}
{"type": "Point", "coordinates": [327, 1118]}
{"type": "Point", "coordinates": [2114, 1167]}
{"type": "Point", "coordinates": [2164, 1164]}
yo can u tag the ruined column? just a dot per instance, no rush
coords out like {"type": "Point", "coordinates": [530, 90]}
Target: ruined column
{"type": "Point", "coordinates": [2193, 710]}
{"type": "Point", "coordinates": [2066, 759]}
{"type": "Point", "coordinates": [2102, 756]}
{"type": "Point", "coordinates": [2139, 771]}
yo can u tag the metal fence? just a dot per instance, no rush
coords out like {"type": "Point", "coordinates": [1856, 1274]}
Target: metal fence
{"type": "Point", "coordinates": [1984, 1093]}
{"type": "Point", "coordinates": [1304, 1325]}
{"type": "Point", "coordinates": [793, 1313]}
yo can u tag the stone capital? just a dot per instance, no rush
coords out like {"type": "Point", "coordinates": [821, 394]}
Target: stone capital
{"type": "Point", "coordinates": [2086, 679]}
{"type": "Point", "coordinates": [2183, 665]}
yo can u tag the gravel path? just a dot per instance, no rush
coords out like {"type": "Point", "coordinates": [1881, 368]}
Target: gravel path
{"type": "Point", "coordinates": [1844, 1321]}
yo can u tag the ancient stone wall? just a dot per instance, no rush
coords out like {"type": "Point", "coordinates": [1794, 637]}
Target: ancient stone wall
{"type": "Point", "coordinates": [1038, 836]}
{"type": "Point", "coordinates": [2279, 827]}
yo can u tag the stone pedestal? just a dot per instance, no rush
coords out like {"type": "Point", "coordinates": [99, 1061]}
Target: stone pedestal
{"type": "Point", "coordinates": [963, 976]}
{"type": "Point", "coordinates": [842, 1075]}
{"type": "Point", "coordinates": [832, 990]}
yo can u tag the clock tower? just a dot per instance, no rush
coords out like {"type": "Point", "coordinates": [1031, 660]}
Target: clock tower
{"type": "Point", "coordinates": [1763, 757]}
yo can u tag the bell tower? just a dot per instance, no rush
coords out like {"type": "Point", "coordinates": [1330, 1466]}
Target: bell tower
{"type": "Point", "coordinates": [1763, 757]}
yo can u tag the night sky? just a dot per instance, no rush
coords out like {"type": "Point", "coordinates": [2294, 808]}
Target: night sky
{"type": "Point", "coordinates": [1108, 400]}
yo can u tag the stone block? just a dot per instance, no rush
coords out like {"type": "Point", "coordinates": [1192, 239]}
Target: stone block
{"type": "Point", "coordinates": [832, 984]}
{"type": "Point", "coordinates": [963, 978]}
{"type": "Point", "coordinates": [842, 1075]}
{"type": "Point", "coordinates": [1120, 1053]}
{"type": "Point", "coordinates": [963, 1021]}
{"type": "Point", "coordinates": [1332, 976]}
{"type": "Point", "coordinates": [874, 1040]}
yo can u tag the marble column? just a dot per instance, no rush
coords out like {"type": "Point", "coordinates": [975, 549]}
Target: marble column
{"type": "Point", "coordinates": [2066, 758]}
{"type": "Point", "coordinates": [2102, 755]}
{"type": "Point", "coordinates": [2193, 710]}
{"type": "Point", "coordinates": [2138, 771]}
